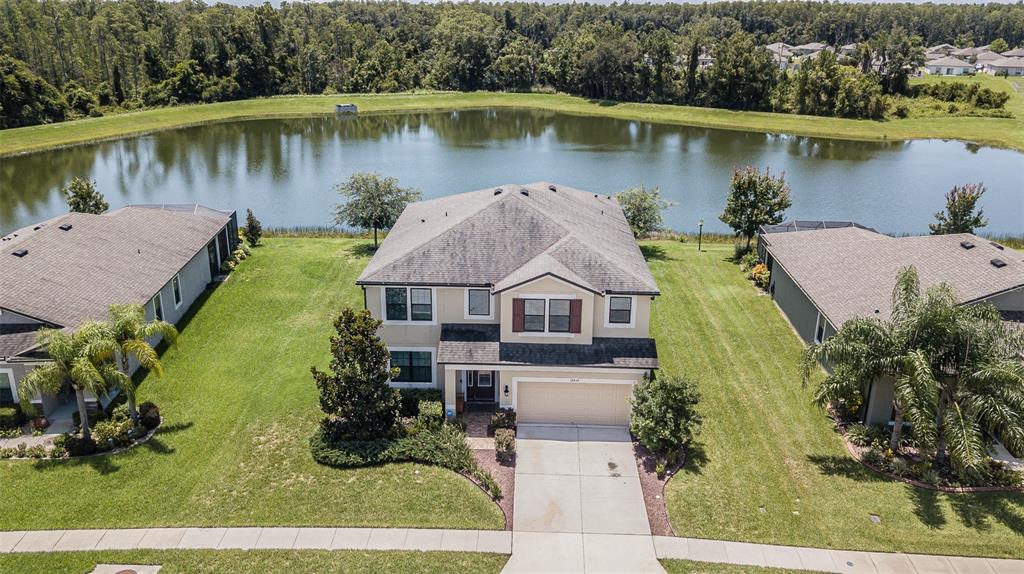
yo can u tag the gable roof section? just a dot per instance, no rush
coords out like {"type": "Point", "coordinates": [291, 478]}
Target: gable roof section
{"type": "Point", "coordinates": [124, 256]}
{"type": "Point", "coordinates": [505, 239]}
{"type": "Point", "coordinates": [850, 271]}
{"type": "Point", "coordinates": [949, 61]}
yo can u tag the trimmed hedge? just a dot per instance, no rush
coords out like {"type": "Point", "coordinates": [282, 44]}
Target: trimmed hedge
{"type": "Point", "coordinates": [10, 417]}
{"type": "Point", "coordinates": [445, 447]}
{"type": "Point", "coordinates": [411, 399]}
{"type": "Point", "coordinates": [505, 444]}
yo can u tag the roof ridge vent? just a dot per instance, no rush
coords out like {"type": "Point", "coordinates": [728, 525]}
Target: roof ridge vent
{"type": "Point", "coordinates": [967, 245]}
{"type": "Point", "coordinates": [20, 253]}
{"type": "Point", "coordinates": [524, 192]}
{"type": "Point", "coordinates": [998, 263]}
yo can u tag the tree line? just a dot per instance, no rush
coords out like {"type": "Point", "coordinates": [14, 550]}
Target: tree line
{"type": "Point", "coordinates": [66, 59]}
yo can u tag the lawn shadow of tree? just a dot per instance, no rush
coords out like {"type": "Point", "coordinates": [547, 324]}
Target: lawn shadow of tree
{"type": "Point", "coordinates": [363, 250]}
{"type": "Point", "coordinates": [975, 510]}
{"type": "Point", "coordinates": [654, 253]}
{"type": "Point", "coordinates": [154, 444]}
{"type": "Point", "coordinates": [696, 459]}
{"type": "Point", "coordinates": [602, 103]}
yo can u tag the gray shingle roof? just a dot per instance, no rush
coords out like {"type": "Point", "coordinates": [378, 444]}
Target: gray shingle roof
{"type": "Point", "coordinates": [500, 240]}
{"type": "Point", "coordinates": [124, 256]}
{"type": "Point", "coordinates": [850, 271]}
{"type": "Point", "coordinates": [17, 337]}
{"type": "Point", "coordinates": [949, 61]}
{"type": "Point", "coordinates": [480, 345]}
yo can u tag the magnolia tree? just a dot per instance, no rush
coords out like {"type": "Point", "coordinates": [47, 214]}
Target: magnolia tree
{"type": "Point", "coordinates": [755, 199]}
{"type": "Point", "coordinates": [642, 208]}
{"type": "Point", "coordinates": [354, 391]}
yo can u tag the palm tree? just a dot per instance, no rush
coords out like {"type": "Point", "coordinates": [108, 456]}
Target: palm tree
{"type": "Point", "coordinates": [130, 331]}
{"type": "Point", "coordinates": [866, 349]}
{"type": "Point", "coordinates": [81, 359]}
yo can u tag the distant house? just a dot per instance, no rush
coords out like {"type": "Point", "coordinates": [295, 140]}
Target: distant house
{"type": "Point", "coordinates": [1008, 66]}
{"type": "Point", "coordinates": [782, 53]}
{"type": "Point", "coordinates": [1015, 53]}
{"type": "Point", "coordinates": [826, 273]}
{"type": "Point", "coordinates": [805, 49]}
{"type": "Point", "coordinates": [848, 49]}
{"type": "Point", "coordinates": [941, 49]}
{"type": "Point", "coordinates": [948, 66]}
{"type": "Point", "coordinates": [70, 269]}
{"type": "Point", "coordinates": [970, 53]}
{"type": "Point", "coordinates": [982, 60]}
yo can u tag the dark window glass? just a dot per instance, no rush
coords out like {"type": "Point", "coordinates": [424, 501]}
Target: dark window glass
{"type": "Point", "coordinates": [479, 302]}
{"type": "Point", "coordinates": [158, 308]}
{"type": "Point", "coordinates": [620, 309]}
{"type": "Point", "coordinates": [6, 390]}
{"type": "Point", "coordinates": [414, 366]}
{"type": "Point", "coordinates": [396, 304]}
{"type": "Point", "coordinates": [533, 318]}
{"type": "Point", "coordinates": [821, 329]}
{"type": "Point", "coordinates": [421, 307]}
{"type": "Point", "coordinates": [176, 287]}
{"type": "Point", "coordinates": [558, 315]}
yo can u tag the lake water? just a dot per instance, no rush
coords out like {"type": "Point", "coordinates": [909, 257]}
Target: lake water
{"type": "Point", "coordinates": [285, 169]}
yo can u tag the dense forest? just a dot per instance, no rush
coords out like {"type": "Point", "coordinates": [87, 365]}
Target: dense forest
{"type": "Point", "coordinates": [61, 59]}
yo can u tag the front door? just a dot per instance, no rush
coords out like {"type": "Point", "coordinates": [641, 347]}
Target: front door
{"type": "Point", "coordinates": [480, 386]}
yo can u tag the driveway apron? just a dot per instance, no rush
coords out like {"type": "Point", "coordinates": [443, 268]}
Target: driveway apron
{"type": "Point", "coordinates": [579, 506]}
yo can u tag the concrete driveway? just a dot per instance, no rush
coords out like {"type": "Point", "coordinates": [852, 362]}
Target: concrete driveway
{"type": "Point", "coordinates": [579, 506]}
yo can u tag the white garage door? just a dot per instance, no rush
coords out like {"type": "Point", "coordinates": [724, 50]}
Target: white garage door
{"type": "Point", "coordinates": [573, 403]}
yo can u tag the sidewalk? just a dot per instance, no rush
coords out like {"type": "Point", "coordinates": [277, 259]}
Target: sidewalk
{"type": "Point", "coordinates": [497, 541]}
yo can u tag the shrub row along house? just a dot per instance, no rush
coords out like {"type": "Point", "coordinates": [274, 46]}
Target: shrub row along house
{"type": "Point", "coordinates": [824, 273]}
{"type": "Point", "coordinates": [534, 297]}
{"type": "Point", "coordinates": [70, 269]}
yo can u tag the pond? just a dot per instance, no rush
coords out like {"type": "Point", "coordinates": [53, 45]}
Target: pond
{"type": "Point", "coordinates": [285, 169]}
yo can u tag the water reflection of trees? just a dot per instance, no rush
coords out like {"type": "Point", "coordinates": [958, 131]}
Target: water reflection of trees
{"type": "Point", "coordinates": [213, 155]}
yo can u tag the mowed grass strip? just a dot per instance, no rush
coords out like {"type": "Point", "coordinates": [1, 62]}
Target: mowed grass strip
{"type": "Point", "coordinates": [765, 444]}
{"type": "Point", "coordinates": [239, 405]}
{"type": "Point", "coordinates": [1001, 132]}
{"type": "Point", "coordinates": [258, 561]}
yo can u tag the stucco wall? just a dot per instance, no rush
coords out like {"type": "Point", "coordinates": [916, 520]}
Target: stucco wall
{"type": "Point", "coordinates": [801, 313]}
{"type": "Point", "coordinates": [548, 286]}
{"type": "Point", "coordinates": [641, 318]}
{"type": "Point", "coordinates": [879, 402]}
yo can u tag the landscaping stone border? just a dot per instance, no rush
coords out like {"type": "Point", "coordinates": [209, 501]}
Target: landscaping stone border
{"type": "Point", "coordinates": [118, 450]}
{"type": "Point", "coordinates": [855, 453]}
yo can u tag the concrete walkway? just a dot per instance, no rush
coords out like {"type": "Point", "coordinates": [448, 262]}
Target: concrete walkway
{"type": "Point", "coordinates": [534, 551]}
{"type": "Point", "coordinates": [258, 538]}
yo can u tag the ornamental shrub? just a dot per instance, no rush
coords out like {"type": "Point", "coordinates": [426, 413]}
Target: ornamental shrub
{"type": "Point", "coordinates": [253, 230]}
{"type": "Point", "coordinates": [665, 417]}
{"type": "Point", "coordinates": [431, 415]}
{"type": "Point", "coordinates": [113, 433]}
{"type": "Point", "coordinates": [10, 417]}
{"type": "Point", "coordinates": [760, 275]}
{"type": "Point", "coordinates": [504, 418]}
{"type": "Point", "coordinates": [505, 444]}
{"type": "Point", "coordinates": [149, 415]}
{"type": "Point", "coordinates": [411, 399]}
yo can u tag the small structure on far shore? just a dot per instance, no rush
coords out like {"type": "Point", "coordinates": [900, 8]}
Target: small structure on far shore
{"type": "Point", "coordinates": [345, 109]}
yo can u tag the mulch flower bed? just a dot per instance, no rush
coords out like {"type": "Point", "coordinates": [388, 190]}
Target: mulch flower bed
{"type": "Point", "coordinates": [505, 475]}
{"type": "Point", "coordinates": [654, 490]}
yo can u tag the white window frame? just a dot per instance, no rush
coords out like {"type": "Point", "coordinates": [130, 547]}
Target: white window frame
{"type": "Point", "coordinates": [489, 316]}
{"type": "Point", "coordinates": [608, 312]}
{"type": "Point", "coordinates": [160, 295]}
{"type": "Point", "coordinates": [408, 305]}
{"type": "Point", "coordinates": [177, 294]}
{"type": "Point", "coordinates": [818, 323]}
{"type": "Point", "coordinates": [14, 383]}
{"type": "Point", "coordinates": [433, 368]}
{"type": "Point", "coordinates": [547, 304]}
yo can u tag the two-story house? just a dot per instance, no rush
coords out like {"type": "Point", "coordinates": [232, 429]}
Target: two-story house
{"type": "Point", "coordinates": [533, 297]}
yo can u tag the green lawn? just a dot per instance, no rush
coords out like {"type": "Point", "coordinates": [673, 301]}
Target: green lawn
{"type": "Point", "coordinates": [690, 567]}
{"type": "Point", "coordinates": [239, 405]}
{"type": "Point", "coordinates": [989, 131]}
{"type": "Point", "coordinates": [765, 444]}
{"type": "Point", "coordinates": [258, 561]}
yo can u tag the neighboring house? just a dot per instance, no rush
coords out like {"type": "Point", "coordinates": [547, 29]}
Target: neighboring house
{"type": "Point", "coordinates": [531, 297]}
{"type": "Point", "coordinates": [948, 66]}
{"type": "Point", "coordinates": [970, 53]}
{"type": "Point", "coordinates": [826, 273]}
{"type": "Point", "coordinates": [941, 50]}
{"type": "Point", "coordinates": [782, 54]}
{"type": "Point", "coordinates": [848, 49]}
{"type": "Point", "coordinates": [1008, 66]}
{"type": "Point", "coordinates": [982, 60]}
{"type": "Point", "coordinates": [1015, 53]}
{"type": "Point", "coordinates": [805, 49]}
{"type": "Point", "coordinates": [70, 269]}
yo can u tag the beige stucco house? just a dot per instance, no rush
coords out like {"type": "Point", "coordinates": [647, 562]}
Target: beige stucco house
{"type": "Point", "coordinates": [534, 297]}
